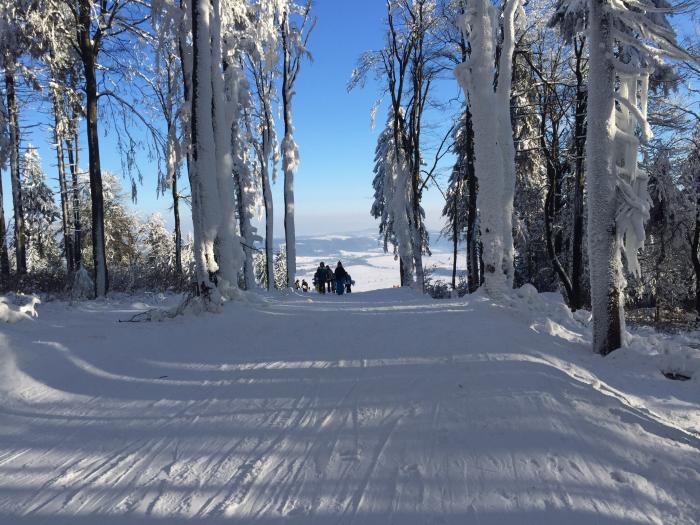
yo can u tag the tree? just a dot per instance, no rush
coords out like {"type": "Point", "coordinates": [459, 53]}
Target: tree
{"type": "Point", "coordinates": [217, 246]}
{"type": "Point", "coordinates": [99, 25]}
{"type": "Point", "coordinates": [460, 201]}
{"type": "Point", "coordinates": [294, 48]}
{"type": "Point", "coordinates": [4, 147]}
{"type": "Point", "coordinates": [261, 61]}
{"type": "Point", "coordinates": [13, 41]}
{"type": "Point", "coordinates": [409, 64]}
{"type": "Point", "coordinates": [494, 149]}
{"type": "Point", "coordinates": [392, 198]}
{"type": "Point", "coordinates": [40, 212]}
{"type": "Point", "coordinates": [159, 251]}
{"type": "Point", "coordinates": [627, 43]}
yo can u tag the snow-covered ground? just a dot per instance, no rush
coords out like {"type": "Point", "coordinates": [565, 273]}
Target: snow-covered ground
{"type": "Point", "coordinates": [376, 408]}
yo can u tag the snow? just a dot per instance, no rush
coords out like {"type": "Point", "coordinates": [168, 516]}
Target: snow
{"type": "Point", "coordinates": [379, 407]}
{"type": "Point", "coordinates": [14, 308]}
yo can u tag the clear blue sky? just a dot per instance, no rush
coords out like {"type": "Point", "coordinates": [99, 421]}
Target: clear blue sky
{"type": "Point", "coordinates": [332, 128]}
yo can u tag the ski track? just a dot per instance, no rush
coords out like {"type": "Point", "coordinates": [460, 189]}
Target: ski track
{"type": "Point", "coordinates": [324, 420]}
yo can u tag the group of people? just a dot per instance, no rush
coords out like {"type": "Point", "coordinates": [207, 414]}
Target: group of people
{"type": "Point", "coordinates": [338, 281]}
{"type": "Point", "coordinates": [327, 279]}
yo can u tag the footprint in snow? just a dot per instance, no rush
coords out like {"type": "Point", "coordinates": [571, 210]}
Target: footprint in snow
{"type": "Point", "coordinates": [618, 476]}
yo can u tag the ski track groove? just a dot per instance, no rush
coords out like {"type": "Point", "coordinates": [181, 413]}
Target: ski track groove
{"type": "Point", "coordinates": [367, 453]}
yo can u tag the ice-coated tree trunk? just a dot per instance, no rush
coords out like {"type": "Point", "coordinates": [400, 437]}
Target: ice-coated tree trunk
{"type": "Point", "coordinates": [229, 249]}
{"type": "Point", "coordinates": [205, 199]}
{"type": "Point", "coordinates": [290, 156]}
{"type": "Point", "coordinates": [15, 181]}
{"type": "Point", "coordinates": [695, 244]}
{"type": "Point", "coordinates": [494, 151]}
{"type": "Point", "coordinates": [603, 247]}
{"type": "Point", "coordinates": [476, 78]}
{"type": "Point", "coordinates": [187, 69]}
{"type": "Point", "coordinates": [507, 146]}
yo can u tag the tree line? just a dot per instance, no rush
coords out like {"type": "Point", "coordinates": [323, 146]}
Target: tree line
{"type": "Point", "coordinates": [193, 85]}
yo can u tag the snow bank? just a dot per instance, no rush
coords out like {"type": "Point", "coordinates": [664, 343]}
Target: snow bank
{"type": "Point", "coordinates": [18, 307]}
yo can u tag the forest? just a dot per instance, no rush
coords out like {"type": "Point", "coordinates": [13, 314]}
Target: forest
{"type": "Point", "coordinates": [573, 147]}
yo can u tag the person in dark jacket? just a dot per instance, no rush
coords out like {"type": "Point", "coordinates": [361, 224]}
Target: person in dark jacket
{"type": "Point", "coordinates": [320, 278]}
{"type": "Point", "coordinates": [341, 277]}
{"type": "Point", "coordinates": [330, 279]}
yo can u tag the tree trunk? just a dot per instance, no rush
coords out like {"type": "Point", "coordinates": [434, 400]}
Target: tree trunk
{"type": "Point", "coordinates": [223, 111]}
{"type": "Point", "coordinates": [73, 154]}
{"type": "Point", "coordinates": [62, 184]}
{"type": "Point", "coordinates": [4, 258]}
{"type": "Point", "coordinates": [289, 165]}
{"type": "Point", "coordinates": [88, 53]}
{"type": "Point", "coordinates": [455, 236]}
{"type": "Point", "coordinates": [578, 300]}
{"type": "Point", "coordinates": [473, 263]}
{"type": "Point", "coordinates": [246, 230]}
{"type": "Point", "coordinates": [554, 178]}
{"type": "Point", "coordinates": [269, 222]}
{"type": "Point", "coordinates": [695, 245]}
{"type": "Point", "coordinates": [171, 158]}
{"type": "Point", "coordinates": [205, 181]}
{"type": "Point", "coordinates": [20, 230]}
{"type": "Point", "coordinates": [178, 229]}
{"type": "Point", "coordinates": [603, 247]}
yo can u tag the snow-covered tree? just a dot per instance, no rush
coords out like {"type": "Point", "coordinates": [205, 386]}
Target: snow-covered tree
{"type": "Point", "coordinates": [40, 211]}
{"type": "Point", "coordinates": [409, 64]}
{"type": "Point", "coordinates": [104, 31]}
{"type": "Point", "coordinates": [120, 225]}
{"type": "Point", "coordinates": [159, 251]}
{"type": "Point", "coordinates": [494, 150]}
{"type": "Point", "coordinates": [14, 41]}
{"type": "Point", "coordinates": [627, 43]}
{"type": "Point", "coordinates": [393, 199]}
{"type": "Point", "coordinates": [294, 48]}
{"type": "Point", "coordinates": [261, 63]}
{"type": "Point", "coordinates": [217, 245]}
{"type": "Point", "coordinates": [460, 198]}
{"type": "Point", "coordinates": [279, 263]}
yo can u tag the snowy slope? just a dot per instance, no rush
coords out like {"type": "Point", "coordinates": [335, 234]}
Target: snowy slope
{"type": "Point", "coordinates": [375, 408]}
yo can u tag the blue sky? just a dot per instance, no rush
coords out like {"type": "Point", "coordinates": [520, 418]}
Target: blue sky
{"type": "Point", "coordinates": [332, 127]}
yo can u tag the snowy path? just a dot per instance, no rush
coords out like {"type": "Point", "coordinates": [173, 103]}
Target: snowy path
{"type": "Point", "coordinates": [378, 408]}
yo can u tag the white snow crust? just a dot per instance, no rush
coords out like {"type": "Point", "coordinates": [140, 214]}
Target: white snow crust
{"type": "Point", "coordinates": [374, 408]}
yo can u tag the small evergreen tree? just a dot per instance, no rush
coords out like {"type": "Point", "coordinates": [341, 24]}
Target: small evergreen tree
{"type": "Point", "coordinates": [41, 214]}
